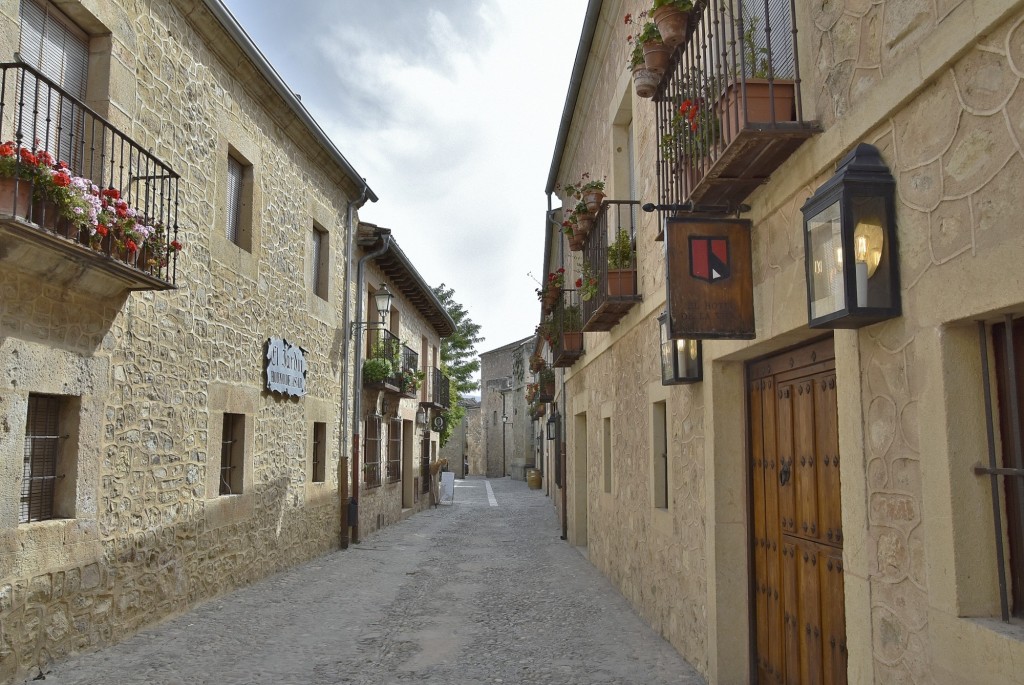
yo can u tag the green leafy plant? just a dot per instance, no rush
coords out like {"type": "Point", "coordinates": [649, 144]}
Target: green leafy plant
{"type": "Point", "coordinates": [620, 252]}
{"type": "Point", "coordinates": [377, 370]}
{"type": "Point", "coordinates": [648, 33]}
{"type": "Point", "coordinates": [547, 377]}
{"type": "Point", "coordinates": [755, 57]}
{"type": "Point", "coordinates": [681, 5]}
{"type": "Point", "coordinates": [571, 319]}
{"type": "Point", "coordinates": [587, 282]}
{"type": "Point", "coordinates": [695, 127]}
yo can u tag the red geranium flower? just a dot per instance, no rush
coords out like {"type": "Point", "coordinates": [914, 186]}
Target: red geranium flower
{"type": "Point", "coordinates": [7, 149]}
{"type": "Point", "coordinates": [28, 158]}
{"type": "Point", "coordinates": [62, 179]}
{"type": "Point", "coordinates": [112, 193]}
{"type": "Point", "coordinates": [101, 230]}
{"type": "Point", "coordinates": [579, 282]}
{"type": "Point", "coordinates": [130, 246]}
{"type": "Point", "coordinates": [176, 245]}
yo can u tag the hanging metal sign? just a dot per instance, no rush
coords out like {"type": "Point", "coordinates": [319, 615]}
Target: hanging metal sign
{"type": "Point", "coordinates": [710, 284]}
{"type": "Point", "coordinates": [286, 368]}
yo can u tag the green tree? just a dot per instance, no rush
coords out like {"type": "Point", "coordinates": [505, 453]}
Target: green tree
{"type": "Point", "coordinates": [459, 358]}
{"type": "Point", "coordinates": [458, 351]}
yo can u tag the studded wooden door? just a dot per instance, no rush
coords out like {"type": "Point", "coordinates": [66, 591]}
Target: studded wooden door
{"type": "Point", "coordinates": [797, 527]}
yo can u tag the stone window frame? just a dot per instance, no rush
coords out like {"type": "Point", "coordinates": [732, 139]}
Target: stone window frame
{"type": "Point", "coordinates": [318, 411]}
{"type": "Point", "coordinates": [230, 399]}
{"type": "Point", "coordinates": [607, 456]}
{"type": "Point", "coordinates": [63, 488]}
{"type": "Point", "coordinates": [320, 262]}
{"type": "Point", "coordinates": [318, 452]}
{"type": "Point", "coordinates": [242, 258]}
{"type": "Point", "coordinates": [324, 307]}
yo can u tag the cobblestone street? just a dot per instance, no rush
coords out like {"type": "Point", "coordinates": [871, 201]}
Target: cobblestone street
{"type": "Point", "coordinates": [444, 597]}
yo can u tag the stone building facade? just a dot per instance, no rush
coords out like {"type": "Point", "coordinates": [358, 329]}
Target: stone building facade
{"type": "Point", "coordinates": [474, 440]}
{"type": "Point", "coordinates": [504, 418]}
{"type": "Point", "coordinates": [661, 480]}
{"type": "Point", "coordinates": [178, 474]}
{"type": "Point", "coordinates": [459, 446]}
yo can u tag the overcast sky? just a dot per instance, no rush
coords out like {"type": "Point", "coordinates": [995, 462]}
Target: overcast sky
{"type": "Point", "coordinates": [450, 110]}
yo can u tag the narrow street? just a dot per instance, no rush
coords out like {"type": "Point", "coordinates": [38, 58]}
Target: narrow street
{"type": "Point", "coordinates": [482, 591]}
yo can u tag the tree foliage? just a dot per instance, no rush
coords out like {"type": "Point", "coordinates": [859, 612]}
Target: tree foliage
{"type": "Point", "coordinates": [458, 351]}
{"type": "Point", "coordinates": [453, 416]}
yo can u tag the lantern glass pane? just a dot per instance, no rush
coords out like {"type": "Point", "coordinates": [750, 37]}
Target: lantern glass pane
{"type": "Point", "coordinates": [871, 260]}
{"type": "Point", "coordinates": [668, 369]}
{"type": "Point", "coordinates": [688, 358]}
{"type": "Point", "coordinates": [826, 284]}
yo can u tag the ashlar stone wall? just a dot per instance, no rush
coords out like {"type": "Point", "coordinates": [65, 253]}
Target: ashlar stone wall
{"type": "Point", "coordinates": [150, 375]}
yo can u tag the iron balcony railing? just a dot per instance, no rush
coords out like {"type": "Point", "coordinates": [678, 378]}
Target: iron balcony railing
{"type": "Point", "coordinates": [407, 374]}
{"type": "Point", "coordinates": [609, 280]}
{"type": "Point", "coordinates": [729, 109]}
{"type": "Point", "coordinates": [102, 163]}
{"type": "Point", "coordinates": [438, 389]}
{"type": "Point", "coordinates": [564, 330]}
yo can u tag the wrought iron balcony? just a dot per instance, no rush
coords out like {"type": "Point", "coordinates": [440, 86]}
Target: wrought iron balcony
{"type": "Point", "coordinates": [729, 109]}
{"type": "Point", "coordinates": [438, 390]}
{"type": "Point", "coordinates": [609, 288]}
{"type": "Point", "coordinates": [388, 347]}
{"type": "Point", "coordinates": [564, 330]}
{"type": "Point", "coordinates": [80, 202]}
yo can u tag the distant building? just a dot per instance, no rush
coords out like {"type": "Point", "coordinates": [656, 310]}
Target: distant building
{"type": "Point", "coordinates": [505, 422]}
{"type": "Point", "coordinates": [457, 449]}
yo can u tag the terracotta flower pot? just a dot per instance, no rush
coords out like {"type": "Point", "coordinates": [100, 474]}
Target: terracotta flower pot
{"type": "Point", "coordinates": [620, 282]}
{"type": "Point", "coordinates": [593, 200]}
{"type": "Point", "coordinates": [656, 56]}
{"type": "Point", "coordinates": [584, 224]}
{"type": "Point", "coordinates": [572, 341]}
{"type": "Point", "coordinates": [576, 242]}
{"type": "Point", "coordinates": [47, 215]}
{"type": "Point", "coordinates": [15, 197]}
{"type": "Point", "coordinates": [760, 103]}
{"type": "Point", "coordinates": [672, 25]}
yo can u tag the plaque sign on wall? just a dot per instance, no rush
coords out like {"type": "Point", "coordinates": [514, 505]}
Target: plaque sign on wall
{"type": "Point", "coordinates": [286, 368]}
{"type": "Point", "coordinates": [710, 283]}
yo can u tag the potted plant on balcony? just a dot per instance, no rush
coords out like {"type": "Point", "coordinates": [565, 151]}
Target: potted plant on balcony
{"type": "Point", "coordinates": [621, 268]}
{"type": "Point", "coordinates": [672, 18]}
{"type": "Point", "coordinates": [572, 328]}
{"type": "Point", "coordinates": [587, 282]}
{"type": "Point", "coordinates": [409, 381]}
{"type": "Point", "coordinates": [754, 89]}
{"type": "Point", "coordinates": [377, 370]}
{"type": "Point", "coordinates": [647, 47]}
{"type": "Point", "coordinates": [537, 362]}
{"type": "Point", "coordinates": [645, 79]}
{"type": "Point", "coordinates": [18, 170]}
{"type": "Point", "coordinates": [592, 191]}
{"type": "Point", "coordinates": [547, 385]}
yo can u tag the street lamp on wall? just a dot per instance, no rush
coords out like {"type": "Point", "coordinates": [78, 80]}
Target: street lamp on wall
{"type": "Point", "coordinates": [852, 260]}
{"type": "Point", "coordinates": [682, 360]}
{"type": "Point", "coordinates": [552, 426]}
{"type": "Point", "coordinates": [382, 299]}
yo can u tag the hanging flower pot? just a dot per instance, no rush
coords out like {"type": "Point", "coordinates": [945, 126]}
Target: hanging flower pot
{"type": "Point", "coordinates": [672, 24]}
{"type": "Point", "coordinates": [645, 81]}
{"type": "Point", "coordinates": [593, 200]}
{"type": "Point", "coordinates": [656, 56]}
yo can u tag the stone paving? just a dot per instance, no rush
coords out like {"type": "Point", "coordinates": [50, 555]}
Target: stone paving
{"type": "Point", "coordinates": [465, 593]}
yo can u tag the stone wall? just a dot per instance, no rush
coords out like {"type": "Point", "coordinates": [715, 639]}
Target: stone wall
{"type": "Point", "coordinates": [151, 374]}
{"type": "Point", "coordinates": [503, 394]}
{"type": "Point", "coordinates": [936, 87]}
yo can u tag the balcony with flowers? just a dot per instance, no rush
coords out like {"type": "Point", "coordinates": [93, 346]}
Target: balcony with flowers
{"type": "Point", "coordinates": [607, 282]}
{"type": "Point", "coordinates": [392, 367]}
{"type": "Point", "coordinates": [563, 330]}
{"type": "Point", "coordinates": [81, 204]}
{"type": "Point", "coordinates": [728, 103]}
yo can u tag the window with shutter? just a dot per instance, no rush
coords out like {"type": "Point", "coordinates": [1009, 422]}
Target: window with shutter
{"type": "Point", "coordinates": [60, 50]}
{"type": "Point", "coordinates": [234, 199]}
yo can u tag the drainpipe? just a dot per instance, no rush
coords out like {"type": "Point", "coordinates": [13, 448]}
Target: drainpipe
{"type": "Point", "coordinates": [357, 390]}
{"type": "Point", "coordinates": [350, 222]}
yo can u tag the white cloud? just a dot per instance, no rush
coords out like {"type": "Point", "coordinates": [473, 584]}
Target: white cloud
{"type": "Point", "coordinates": [454, 130]}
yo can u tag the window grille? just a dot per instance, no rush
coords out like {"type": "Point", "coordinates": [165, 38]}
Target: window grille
{"type": "Point", "coordinates": [394, 450]}
{"type": "Point", "coordinates": [232, 454]}
{"type": "Point", "coordinates": [425, 466]}
{"type": "Point", "coordinates": [236, 174]}
{"type": "Point", "coordinates": [1008, 349]}
{"type": "Point", "coordinates": [371, 450]}
{"type": "Point", "coordinates": [319, 469]}
{"type": "Point", "coordinates": [42, 449]}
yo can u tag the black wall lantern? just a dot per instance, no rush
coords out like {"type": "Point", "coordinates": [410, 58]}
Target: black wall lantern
{"type": "Point", "coordinates": [850, 245]}
{"type": "Point", "coordinates": [682, 361]}
{"type": "Point", "coordinates": [552, 425]}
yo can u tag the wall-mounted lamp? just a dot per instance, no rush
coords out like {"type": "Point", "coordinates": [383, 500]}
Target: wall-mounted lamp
{"type": "Point", "coordinates": [421, 417]}
{"type": "Point", "coordinates": [504, 418]}
{"type": "Point", "coordinates": [382, 299]}
{"type": "Point", "coordinates": [850, 245]}
{"type": "Point", "coordinates": [552, 426]}
{"type": "Point", "coordinates": [682, 361]}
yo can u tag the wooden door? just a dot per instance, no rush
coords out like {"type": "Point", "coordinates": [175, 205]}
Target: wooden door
{"type": "Point", "coordinates": [798, 601]}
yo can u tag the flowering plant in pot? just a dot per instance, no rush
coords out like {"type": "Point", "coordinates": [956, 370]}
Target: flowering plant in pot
{"type": "Point", "coordinates": [672, 18]}
{"type": "Point", "coordinates": [647, 47]}
{"type": "Point", "coordinates": [587, 282]}
{"type": "Point", "coordinates": [695, 127]}
{"type": "Point", "coordinates": [19, 168]}
{"type": "Point", "coordinates": [620, 265]}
